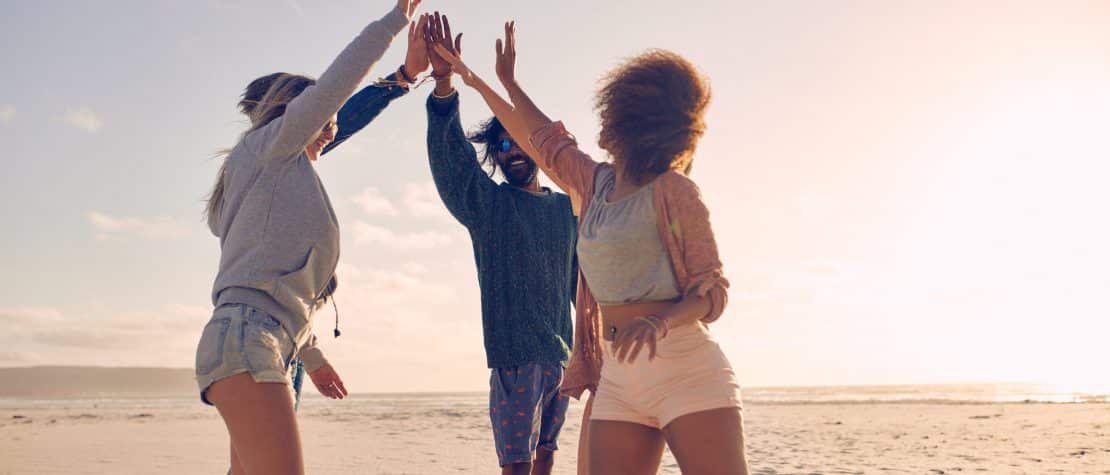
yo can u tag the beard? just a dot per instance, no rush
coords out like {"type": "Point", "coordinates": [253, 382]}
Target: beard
{"type": "Point", "coordinates": [520, 175]}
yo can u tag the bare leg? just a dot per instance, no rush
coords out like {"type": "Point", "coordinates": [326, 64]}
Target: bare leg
{"type": "Point", "coordinates": [236, 466]}
{"type": "Point", "coordinates": [261, 423]}
{"type": "Point", "coordinates": [517, 469]}
{"type": "Point", "coordinates": [624, 448]}
{"type": "Point", "coordinates": [708, 442]}
{"type": "Point", "coordinates": [584, 438]}
{"type": "Point", "coordinates": [545, 461]}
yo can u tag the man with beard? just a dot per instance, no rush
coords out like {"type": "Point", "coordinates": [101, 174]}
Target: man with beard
{"type": "Point", "coordinates": [523, 236]}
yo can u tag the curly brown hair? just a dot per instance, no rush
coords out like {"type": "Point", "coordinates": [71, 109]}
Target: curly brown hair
{"type": "Point", "coordinates": [652, 111]}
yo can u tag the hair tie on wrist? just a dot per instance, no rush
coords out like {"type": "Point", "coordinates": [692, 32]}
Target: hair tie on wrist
{"type": "Point", "coordinates": [654, 326]}
{"type": "Point", "coordinates": [405, 75]}
{"type": "Point", "coordinates": [383, 82]}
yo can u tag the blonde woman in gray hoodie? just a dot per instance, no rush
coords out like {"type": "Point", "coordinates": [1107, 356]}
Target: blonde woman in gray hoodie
{"type": "Point", "coordinates": [279, 246]}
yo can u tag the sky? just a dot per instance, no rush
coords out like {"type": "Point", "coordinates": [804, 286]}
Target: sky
{"type": "Point", "coordinates": [902, 192]}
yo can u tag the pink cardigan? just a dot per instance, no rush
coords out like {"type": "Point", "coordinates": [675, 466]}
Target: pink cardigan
{"type": "Point", "coordinates": [683, 222]}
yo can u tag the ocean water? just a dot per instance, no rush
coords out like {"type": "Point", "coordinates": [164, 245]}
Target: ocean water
{"type": "Point", "coordinates": [940, 393]}
{"type": "Point", "coordinates": [928, 393]}
{"type": "Point", "coordinates": [463, 403]}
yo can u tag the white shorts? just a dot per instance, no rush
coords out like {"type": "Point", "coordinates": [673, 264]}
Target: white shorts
{"type": "Point", "coordinates": [689, 374]}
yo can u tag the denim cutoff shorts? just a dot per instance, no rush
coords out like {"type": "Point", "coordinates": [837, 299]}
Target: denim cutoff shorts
{"type": "Point", "coordinates": [242, 339]}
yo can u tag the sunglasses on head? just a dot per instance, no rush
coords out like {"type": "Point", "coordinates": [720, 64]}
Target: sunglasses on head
{"type": "Point", "coordinates": [503, 145]}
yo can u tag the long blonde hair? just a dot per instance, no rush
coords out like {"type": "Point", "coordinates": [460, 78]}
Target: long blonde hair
{"type": "Point", "coordinates": [263, 101]}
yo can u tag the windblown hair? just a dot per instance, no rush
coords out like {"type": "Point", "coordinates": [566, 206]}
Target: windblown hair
{"type": "Point", "coordinates": [263, 101]}
{"type": "Point", "coordinates": [652, 111]}
{"type": "Point", "coordinates": [488, 134]}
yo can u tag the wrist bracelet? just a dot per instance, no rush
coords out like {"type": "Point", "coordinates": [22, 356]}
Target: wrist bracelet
{"type": "Point", "coordinates": [405, 75]}
{"type": "Point", "coordinates": [383, 82]}
{"type": "Point", "coordinates": [649, 322]}
{"type": "Point", "coordinates": [657, 322]}
{"type": "Point", "coordinates": [437, 96]}
{"type": "Point", "coordinates": [660, 331]}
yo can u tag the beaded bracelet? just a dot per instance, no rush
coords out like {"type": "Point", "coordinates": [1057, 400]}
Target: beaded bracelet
{"type": "Point", "coordinates": [654, 326]}
{"type": "Point", "coordinates": [657, 324]}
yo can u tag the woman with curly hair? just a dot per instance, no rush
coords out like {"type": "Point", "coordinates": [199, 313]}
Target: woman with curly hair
{"type": "Point", "coordinates": [651, 276]}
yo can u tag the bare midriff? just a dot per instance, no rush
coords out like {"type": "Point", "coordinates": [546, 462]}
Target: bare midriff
{"type": "Point", "coordinates": [619, 316]}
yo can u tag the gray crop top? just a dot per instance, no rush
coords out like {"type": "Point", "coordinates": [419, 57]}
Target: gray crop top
{"type": "Point", "coordinates": [619, 249]}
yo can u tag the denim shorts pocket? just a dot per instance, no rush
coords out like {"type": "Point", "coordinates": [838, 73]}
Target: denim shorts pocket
{"type": "Point", "coordinates": [210, 349]}
{"type": "Point", "coordinates": [266, 345]}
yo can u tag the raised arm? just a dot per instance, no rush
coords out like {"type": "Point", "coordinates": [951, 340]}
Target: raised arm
{"type": "Point", "coordinates": [554, 149]}
{"type": "Point", "coordinates": [465, 188]}
{"type": "Point", "coordinates": [306, 115]}
{"type": "Point", "coordinates": [529, 118]}
{"type": "Point", "coordinates": [365, 105]}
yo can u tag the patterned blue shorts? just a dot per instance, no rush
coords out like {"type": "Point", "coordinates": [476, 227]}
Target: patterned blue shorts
{"type": "Point", "coordinates": [526, 410]}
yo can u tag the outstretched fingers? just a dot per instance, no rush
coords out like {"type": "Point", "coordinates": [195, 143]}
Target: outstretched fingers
{"type": "Point", "coordinates": [446, 28]}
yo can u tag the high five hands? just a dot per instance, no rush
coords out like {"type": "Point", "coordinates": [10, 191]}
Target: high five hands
{"type": "Point", "coordinates": [416, 58]}
{"type": "Point", "coordinates": [446, 56]}
{"type": "Point", "coordinates": [443, 52]}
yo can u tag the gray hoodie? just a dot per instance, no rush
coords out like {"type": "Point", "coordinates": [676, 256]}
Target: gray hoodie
{"type": "Point", "coordinates": [279, 237]}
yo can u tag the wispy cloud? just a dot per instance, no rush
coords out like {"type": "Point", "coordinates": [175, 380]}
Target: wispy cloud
{"type": "Point", "coordinates": [7, 113]}
{"type": "Point", "coordinates": [21, 316]}
{"type": "Point", "coordinates": [164, 335]}
{"type": "Point", "coordinates": [74, 338]}
{"type": "Point", "coordinates": [84, 118]}
{"type": "Point", "coordinates": [422, 199]}
{"type": "Point", "coordinates": [366, 233]}
{"type": "Point", "coordinates": [372, 202]}
{"type": "Point", "coordinates": [417, 200]}
{"type": "Point", "coordinates": [156, 228]}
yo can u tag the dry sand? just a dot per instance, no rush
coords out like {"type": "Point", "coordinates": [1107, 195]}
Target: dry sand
{"type": "Point", "coordinates": [182, 437]}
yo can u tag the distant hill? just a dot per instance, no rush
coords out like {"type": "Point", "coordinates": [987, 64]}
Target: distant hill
{"type": "Point", "coordinates": [57, 382]}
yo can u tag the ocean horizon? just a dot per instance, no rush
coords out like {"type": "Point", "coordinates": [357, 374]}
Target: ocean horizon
{"type": "Point", "coordinates": [950, 393]}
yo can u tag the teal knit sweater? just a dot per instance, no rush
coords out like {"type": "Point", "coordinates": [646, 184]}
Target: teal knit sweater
{"type": "Point", "coordinates": [523, 247]}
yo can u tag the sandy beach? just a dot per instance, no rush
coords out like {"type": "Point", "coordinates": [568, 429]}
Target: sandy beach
{"type": "Point", "coordinates": [450, 434]}
{"type": "Point", "coordinates": [898, 201]}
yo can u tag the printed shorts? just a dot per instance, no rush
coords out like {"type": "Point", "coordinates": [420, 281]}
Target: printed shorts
{"type": "Point", "coordinates": [526, 410]}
